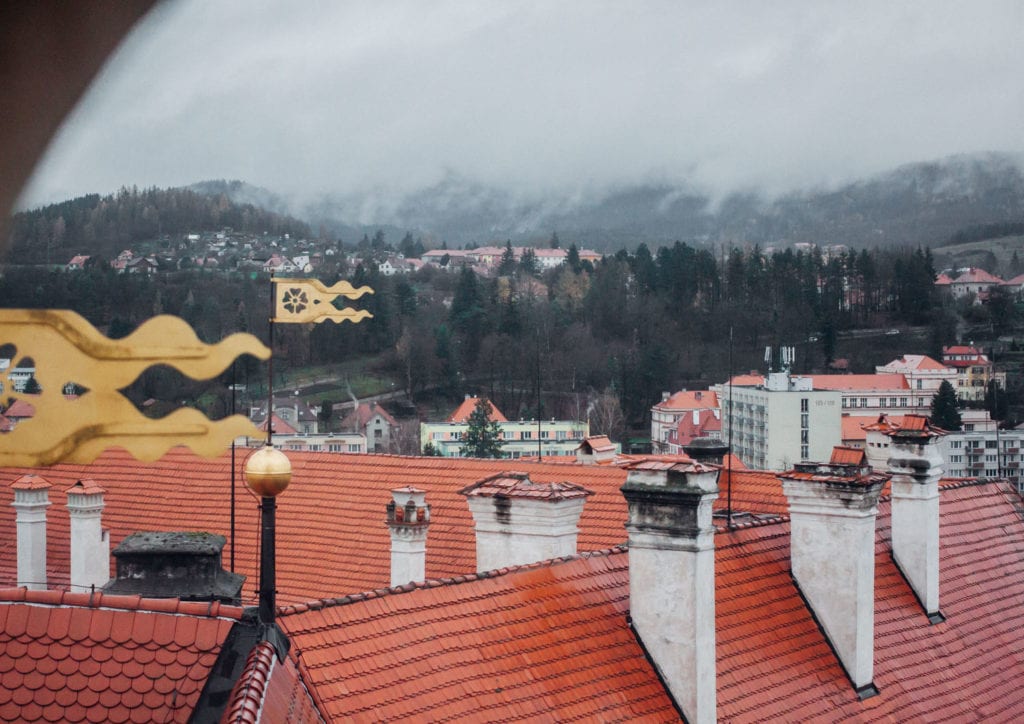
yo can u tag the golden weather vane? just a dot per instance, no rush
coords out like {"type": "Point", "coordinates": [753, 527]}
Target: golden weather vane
{"type": "Point", "coordinates": [65, 349]}
{"type": "Point", "coordinates": [302, 301]}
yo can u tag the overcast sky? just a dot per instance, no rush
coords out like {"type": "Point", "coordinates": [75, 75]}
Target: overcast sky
{"type": "Point", "coordinates": [542, 97]}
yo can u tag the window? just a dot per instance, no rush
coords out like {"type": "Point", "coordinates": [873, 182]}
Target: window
{"type": "Point", "coordinates": [334, 447]}
{"type": "Point", "coordinates": [969, 427]}
{"type": "Point", "coordinates": [561, 435]}
{"type": "Point", "coordinates": [956, 458]}
{"type": "Point", "coordinates": [353, 447]}
{"type": "Point", "coordinates": [804, 452]}
{"type": "Point", "coordinates": [804, 436]}
{"type": "Point", "coordinates": [438, 436]}
{"type": "Point", "coordinates": [804, 406]}
{"type": "Point", "coordinates": [956, 444]}
{"type": "Point", "coordinates": [990, 443]}
{"type": "Point", "coordinates": [990, 458]}
{"type": "Point", "coordinates": [845, 401]}
{"type": "Point", "coordinates": [527, 435]}
{"type": "Point", "coordinates": [903, 402]}
{"type": "Point", "coordinates": [803, 420]}
{"type": "Point", "coordinates": [863, 402]}
{"type": "Point", "coordinates": [508, 435]}
{"type": "Point", "coordinates": [544, 434]}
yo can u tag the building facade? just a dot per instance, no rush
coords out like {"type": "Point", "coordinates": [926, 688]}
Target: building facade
{"type": "Point", "coordinates": [780, 422]}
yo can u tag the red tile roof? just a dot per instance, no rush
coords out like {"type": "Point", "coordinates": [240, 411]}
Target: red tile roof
{"type": "Point", "coordinates": [690, 400]}
{"type": "Point", "coordinates": [269, 691]}
{"type": "Point", "coordinates": [31, 482]}
{"type": "Point", "coordinates": [362, 415]}
{"type": "Point", "coordinates": [842, 455]}
{"type": "Point", "coordinates": [280, 426]}
{"type": "Point", "coordinates": [20, 409]}
{"type": "Point", "coordinates": [518, 485]}
{"type": "Point", "coordinates": [544, 642]}
{"type": "Point", "coordinates": [463, 411]}
{"type": "Point", "coordinates": [853, 427]}
{"type": "Point", "coordinates": [596, 444]}
{"type": "Point", "coordinates": [891, 381]}
{"type": "Point", "coordinates": [977, 275]}
{"type": "Point", "coordinates": [75, 657]}
{"type": "Point", "coordinates": [917, 362]}
{"type": "Point", "coordinates": [331, 498]}
{"type": "Point", "coordinates": [551, 640]}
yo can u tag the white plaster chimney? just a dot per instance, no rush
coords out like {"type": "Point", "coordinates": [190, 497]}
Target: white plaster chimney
{"type": "Point", "coordinates": [408, 520]}
{"type": "Point", "coordinates": [90, 544]}
{"type": "Point", "coordinates": [916, 465]}
{"type": "Point", "coordinates": [519, 521]}
{"type": "Point", "coordinates": [31, 499]}
{"type": "Point", "coordinates": [832, 511]}
{"type": "Point", "coordinates": [672, 577]}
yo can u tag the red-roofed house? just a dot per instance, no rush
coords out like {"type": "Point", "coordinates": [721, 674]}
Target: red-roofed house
{"type": "Point", "coordinates": [373, 421]}
{"type": "Point", "coordinates": [974, 371]}
{"type": "Point", "coordinates": [921, 372]}
{"type": "Point", "coordinates": [667, 414]}
{"type": "Point", "coordinates": [520, 438]}
{"type": "Point", "coordinates": [77, 262]}
{"type": "Point", "coordinates": [973, 281]}
{"type": "Point", "coordinates": [693, 425]}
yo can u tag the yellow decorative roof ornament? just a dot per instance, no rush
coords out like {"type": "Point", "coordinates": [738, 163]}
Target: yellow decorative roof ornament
{"type": "Point", "coordinates": [304, 301]}
{"type": "Point", "coordinates": [66, 349]}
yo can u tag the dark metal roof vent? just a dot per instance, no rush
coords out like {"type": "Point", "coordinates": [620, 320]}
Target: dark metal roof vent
{"type": "Point", "coordinates": [706, 450]}
{"type": "Point", "coordinates": [181, 565]}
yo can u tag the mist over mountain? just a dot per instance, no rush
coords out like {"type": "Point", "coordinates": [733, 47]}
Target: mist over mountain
{"type": "Point", "coordinates": [922, 203]}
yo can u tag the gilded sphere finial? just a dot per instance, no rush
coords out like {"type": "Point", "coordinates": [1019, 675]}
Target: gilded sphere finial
{"type": "Point", "coordinates": [268, 472]}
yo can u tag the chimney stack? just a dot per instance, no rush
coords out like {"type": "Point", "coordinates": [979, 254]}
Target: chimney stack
{"type": "Point", "coordinates": [183, 565]}
{"type": "Point", "coordinates": [90, 544]}
{"type": "Point", "coordinates": [31, 499]}
{"type": "Point", "coordinates": [916, 465]}
{"type": "Point", "coordinates": [832, 511]}
{"type": "Point", "coordinates": [672, 577]}
{"type": "Point", "coordinates": [519, 521]}
{"type": "Point", "coordinates": [706, 450]}
{"type": "Point", "coordinates": [408, 520]}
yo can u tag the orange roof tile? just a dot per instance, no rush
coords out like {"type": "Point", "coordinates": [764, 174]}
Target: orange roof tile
{"type": "Point", "coordinates": [464, 410]}
{"type": "Point", "coordinates": [892, 381]}
{"type": "Point", "coordinates": [552, 640]}
{"type": "Point", "coordinates": [842, 455]}
{"type": "Point", "coordinates": [597, 443]}
{"type": "Point", "coordinates": [85, 487]}
{"type": "Point", "coordinates": [853, 427]}
{"type": "Point", "coordinates": [331, 498]}
{"type": "Point", "coordinates": [19, 409]}
{"type": "Point", "coordinates": [540, 642]}
{"type": "Point", "coordinates": [690, 400]}
{"type": "Point", "coordinates": [977, 275]}
{"type": "Point", "coordinates": [518, 485]}
{"type": "Point", "coordinates": [751, 380]}
{"type": "Point", "coordinates": [75, 657]}
{"type": "Point", "coordinates": [280, 426]}
{"type": "Point", "coordinates": [363, 413]}
{"type": "Point", "coordinates": [31, 482]}
{"type": "Point", "coordinates": [269, 690]}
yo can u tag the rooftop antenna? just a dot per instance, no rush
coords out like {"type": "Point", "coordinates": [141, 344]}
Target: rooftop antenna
{"type": "Point", "coordinates": [728, 489]}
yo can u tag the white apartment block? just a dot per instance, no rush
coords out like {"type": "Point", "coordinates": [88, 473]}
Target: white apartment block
{"type": "Point", "coordinates": [780, 422]}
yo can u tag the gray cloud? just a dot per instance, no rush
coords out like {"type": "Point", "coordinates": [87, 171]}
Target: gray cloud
{"type": "Point", "coordinates": [542, 97]}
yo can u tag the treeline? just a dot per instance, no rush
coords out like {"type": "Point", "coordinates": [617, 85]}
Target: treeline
{"type": "Point", "coordinates": [981, 232]}
{"type": "Point", "coordinates": [105, 225]}
{"type": "Point", "coordinates": [622, 330]}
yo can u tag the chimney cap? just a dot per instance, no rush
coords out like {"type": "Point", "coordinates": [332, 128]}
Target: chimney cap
{"type": "Point", "coordinates": [163, 542]}
{"type": "Point", "coordinates": [86, 486]}
{"type": "Point", "coordinates": [31, 482]}
{"type": "Point", "coordinates": [512, 484]}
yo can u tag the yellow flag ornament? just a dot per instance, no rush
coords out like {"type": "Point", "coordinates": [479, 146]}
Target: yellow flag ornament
{"type": "Point", "coordinates": [67, 352]}
{"type": "Point", "coordinates": [304, 301]}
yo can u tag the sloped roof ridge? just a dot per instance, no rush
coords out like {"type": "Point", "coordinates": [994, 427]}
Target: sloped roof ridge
{"type": "Point", "coordinates": [108, 601]}
{"type": "Point", "coordinates": [247, 698]}
{"type": "Point", "coordinates": [441, 582]}
{"type": "Point", "coordinates": [759, 522]}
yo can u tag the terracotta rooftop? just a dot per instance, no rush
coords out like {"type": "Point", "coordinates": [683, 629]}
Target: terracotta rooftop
{"type": "Point", "coordinates": [31, 482]}
{"type": "Point", "coordinates": [280, 426]}
{"type": "Point", "coordinates": [548, 641]}
{"type": "Point", "coordinates": [551, 640]}
{"type": "Point", "coordinates": [842, 455]}
{"type": "Point", "coordinates": [363, 413]}
{"type": "Point", "coordinates": [518, 485]}
{"type": "Point", "coordinates": [270, 691]}
{"type": "Point", "coordinates": [76, 657]}
{"type": "Point", "coordinates": [853, 427]}
{"type": "Point", "coordinates": [690, 400]}
{"type": "Point", "coordinates": [596, 443]}
{"type": "Point", "coordinates": [977, 275]}
{"type": "Point", "coordinates": [915, 362]}
{"type": "Point", "coordinates": [891, 381]}
{"type": "Point", "coordinates": [464, 410]}
{"type": "Point", "coordinates": [331, 498]}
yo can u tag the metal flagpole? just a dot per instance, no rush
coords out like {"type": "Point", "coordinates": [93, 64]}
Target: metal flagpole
{"type": "Point", "coordinates": [233, 368]}
{"type": "Point", "coordinates": [270, 363]}
{"type": "Point", "coordinates": [728, 494]}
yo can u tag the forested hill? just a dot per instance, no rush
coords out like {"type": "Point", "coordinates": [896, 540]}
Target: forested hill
{"type": "Point", "coordinates": [105, 225]}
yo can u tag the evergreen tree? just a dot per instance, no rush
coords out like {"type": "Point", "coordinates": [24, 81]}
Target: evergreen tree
{"type": "Point", "coordinates": [572, 259]}
{"type": "Point", "coordinates": [507, 266]}
{"type": "Point", "coordinates": [944, 412]}
{"type": "Point", "coordinates": [483, 436]}
{"type": "Point", "coordinates": [528, 262]}
{"type": "Point", "coordinates": [554, 243]}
